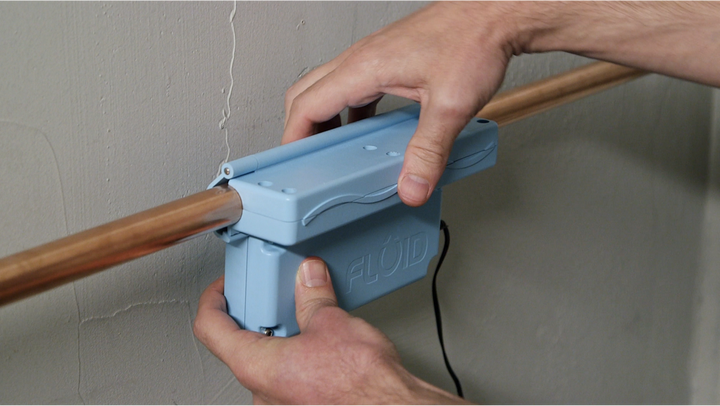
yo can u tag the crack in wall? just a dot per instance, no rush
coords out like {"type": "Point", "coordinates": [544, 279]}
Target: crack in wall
{"type": "Point", "coordinates": [223, 389]}
{"type": "Point", "coordinates": [42, 135]}
{"type": "Point", "coordinates": [197, 351]}
{"type": "Point", "coordinates": [127, 308]}
{"type": "Point", "coordinates": [79, 378]}
{"type": "Point", "coordinates": [226, 110]}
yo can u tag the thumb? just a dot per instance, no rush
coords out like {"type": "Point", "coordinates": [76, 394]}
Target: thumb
{"type": "Point", "coordinates": [428, 151]}
{"type": "Point", "coordinates": [313, 290]}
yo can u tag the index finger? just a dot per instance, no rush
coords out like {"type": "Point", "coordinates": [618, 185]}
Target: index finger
{"type": "Point", "coordinates": [327, 97]}
{"type": "Point", "coordinates": [315, 75]}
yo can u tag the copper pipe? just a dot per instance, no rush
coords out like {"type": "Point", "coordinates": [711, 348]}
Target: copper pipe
{"type": "Point", "coordinates": [536, 97]}
{"type": "Point", "coordinates": [79, 255]}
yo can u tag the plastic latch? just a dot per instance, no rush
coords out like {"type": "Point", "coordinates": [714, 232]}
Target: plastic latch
{"type": "Point", "coordinates": [469, 161]}
{"type": "Point", "coordinates": [369, 198]}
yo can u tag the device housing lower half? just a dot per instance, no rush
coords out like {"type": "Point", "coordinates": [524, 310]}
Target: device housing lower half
{"type": "Point", "coordinates": [367, 258]}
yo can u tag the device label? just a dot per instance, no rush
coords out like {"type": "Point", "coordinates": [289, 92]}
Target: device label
{"type": "Point", "coordinates": [395, 253]}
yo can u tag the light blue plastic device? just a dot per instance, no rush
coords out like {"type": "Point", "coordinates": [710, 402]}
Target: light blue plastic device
{"type": "Point", "coordinates": [334, 195]}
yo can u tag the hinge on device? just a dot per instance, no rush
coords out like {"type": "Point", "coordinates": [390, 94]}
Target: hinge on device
{"type": "Point", "coordinates": [229, 235]}
{"type": "Point", "coordinates": [234, 169]}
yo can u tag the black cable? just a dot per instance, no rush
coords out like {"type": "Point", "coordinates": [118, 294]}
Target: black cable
{"type": "Point", "coordinates": [436, 305]}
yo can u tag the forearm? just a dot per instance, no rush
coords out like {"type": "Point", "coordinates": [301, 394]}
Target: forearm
{"type": "Point", "coordinates": [676, 39]}
{"type": "Point", "coordinates": [452, 57]}
{"type": "Point", "coordinates": [405, 388]}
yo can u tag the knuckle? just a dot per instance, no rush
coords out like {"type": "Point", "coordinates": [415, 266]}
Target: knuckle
{"type": "Point", "coordinates": [199, 329]}
{"type": "Point", "coordinates": [367, 64]}
{"type": "Point", "coordinates": [430, 151]}
{"type": "Point", "coordinates": [451, 106]}
{"type": "Point", "coordinates": [315, 306]}
{"type": "Point", "coordinates": [291, 94]}
{"type": "Point", "coordinates": [324, 317]}
{"type": "Point", "coordinates": [364, 59]}
{"type": "Point", "coordinates": [297, 101]}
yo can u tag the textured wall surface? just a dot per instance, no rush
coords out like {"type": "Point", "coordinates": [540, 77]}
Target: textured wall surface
{"type": "Point", "coordinates": [576, 267]}
{"type": "Point", "coordinates": [705, 355]}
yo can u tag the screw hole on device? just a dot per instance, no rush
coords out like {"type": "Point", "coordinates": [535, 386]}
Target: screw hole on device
{"type": "Point", "coordinates": [483, 121]}
{"type": "Point", "coordinates": [265, 183]}
{"type": "Point", "coordinates": [369, 148]}
{"type": "Point", "coordinates": [289, 190]}
{"type": "Point", "coordinates": [393, 153]}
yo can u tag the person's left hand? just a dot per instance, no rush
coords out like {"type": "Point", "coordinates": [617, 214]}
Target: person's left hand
{"type": "Point", "coordinates": [335, 359]}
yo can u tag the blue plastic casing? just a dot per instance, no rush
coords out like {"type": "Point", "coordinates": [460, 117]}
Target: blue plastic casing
{"type": "Point", "coordinates": [334, 195]}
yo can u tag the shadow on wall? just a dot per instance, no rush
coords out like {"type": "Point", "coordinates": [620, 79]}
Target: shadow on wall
{"type": "Point", "coordinates": [653, 105]}
{"type": "Point", "coordinates": [571, 273]}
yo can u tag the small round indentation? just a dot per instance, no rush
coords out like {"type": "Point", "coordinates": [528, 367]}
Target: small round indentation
{"type": "Point", "coordinates": [369, 148]}
{"type": "Point", "coordinates": [265, 183]}
{"type": "Point", "coordinates": [289, 190]}
{"type": "Point", "coordinates": [483, 121]}
{"type": "Point", "coordinates": [393, 153]}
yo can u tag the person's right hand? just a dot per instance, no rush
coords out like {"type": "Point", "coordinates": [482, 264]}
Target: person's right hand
{"type": "Point", "coordinates": [452, 64]}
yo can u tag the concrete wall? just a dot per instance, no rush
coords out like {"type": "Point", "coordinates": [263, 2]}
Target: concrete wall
{"type": "Point", "coordinates": [575, 266]}
{"type": "Point", "coordinates": [705, 355]}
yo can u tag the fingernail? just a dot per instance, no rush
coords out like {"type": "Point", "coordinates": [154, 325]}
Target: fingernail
{"type": "Point", "coordinates": [313, 274]}
{"type": "Point", "coordinates": [414, 188]}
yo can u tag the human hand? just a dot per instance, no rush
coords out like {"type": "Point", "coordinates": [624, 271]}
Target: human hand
{"type": "Point", "coordinates": [336, 358]}
{"type": "Point", "coordinates": [452, 64]}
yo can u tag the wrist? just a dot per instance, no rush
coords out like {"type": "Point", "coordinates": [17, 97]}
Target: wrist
{"type": "Point", "coordinates": [396, 385]}
{"type": "Point", "coordinates": [583, 28]}
{"type": "Point", "coordinates": [517, 27]}
{"type": "Point", "coordinates": [545, 27]}
{"type": "Point", "coordinates": [607, 30]}
{"type": "Point", "coordinates": [429, 394]}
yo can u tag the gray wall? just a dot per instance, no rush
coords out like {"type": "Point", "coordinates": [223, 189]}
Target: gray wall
{"type": "Point", "coordinates": [705, 348]}
{"type": "Point", "coordinates": [579, 265]}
